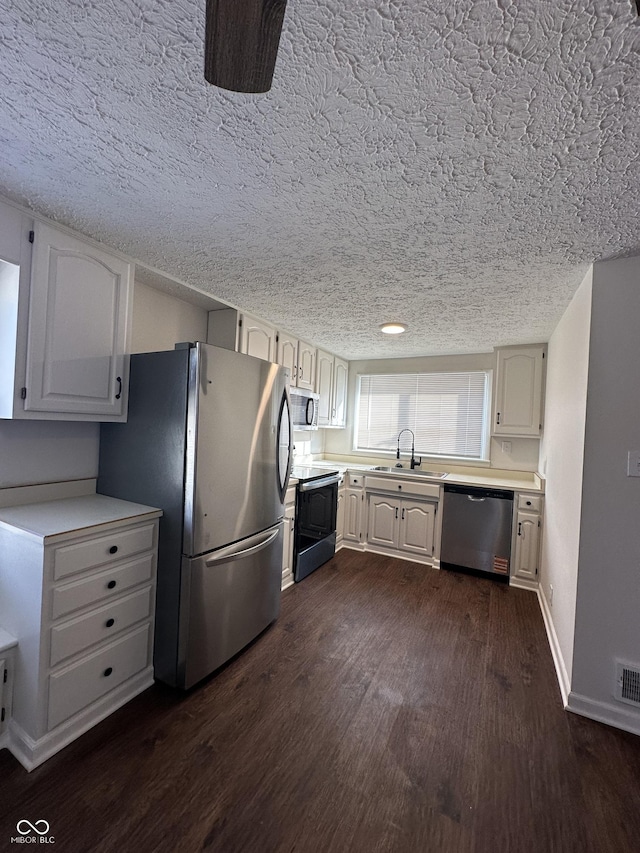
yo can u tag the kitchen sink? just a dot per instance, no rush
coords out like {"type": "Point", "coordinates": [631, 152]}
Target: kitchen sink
{"type": "Point", "coordinates": [438, 475]}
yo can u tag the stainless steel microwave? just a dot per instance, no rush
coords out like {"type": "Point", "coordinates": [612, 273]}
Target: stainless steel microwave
{"type": "Point", "coordinates": [304, 409]}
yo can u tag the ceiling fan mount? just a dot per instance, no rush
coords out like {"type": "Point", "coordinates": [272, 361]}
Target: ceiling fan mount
{"type": "Point", "coordinates": [241, 43]}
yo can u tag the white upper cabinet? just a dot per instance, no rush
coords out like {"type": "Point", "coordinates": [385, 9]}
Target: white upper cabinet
{"type": "Point", "coordinates": [339, 393]}
{"type": "Point", "coordinates": [78, 311]}
{"type": "Point", "coordinates": [257, 338]}
{"type": "Point", "coordinates": [518, 400]}
{"type": "Point", "coordinates": [331, 384]}
{"type": "Point", "coordinates": [300, 359]}
{"type": "Point", "coordinates": [324, 386]}
{"type": "Point", "coordinates": [65, 314]}
{"type": "Point", "coordinates": [306, 366]}
{"type": "Point", "coordinates": [288, 355]}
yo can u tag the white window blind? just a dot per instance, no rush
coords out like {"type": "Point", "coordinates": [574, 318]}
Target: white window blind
{"type": "Point", "coordinates": [446, 411]}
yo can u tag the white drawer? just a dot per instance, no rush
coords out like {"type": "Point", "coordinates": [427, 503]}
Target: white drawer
{"type": "Point", "coordinates": [85, 631]}
{"type": "Point", "coordinates": [83, 682]}
{"type": "Point", "coordinates": [101, 586]}
{"type": "Point", "coordinates": [68, 559]}
{"type": "Point", "coordinates": [403, 487]}
{"type": "Point", "coordinates": [355, 480]}
{"type": "Point", "coordinates": [531, 502]}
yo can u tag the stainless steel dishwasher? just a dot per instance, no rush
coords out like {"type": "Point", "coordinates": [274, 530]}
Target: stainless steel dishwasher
{"type": "Point", "coordinates": [476, 529]}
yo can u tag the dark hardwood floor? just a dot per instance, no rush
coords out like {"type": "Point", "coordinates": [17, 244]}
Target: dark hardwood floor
{"type": "Point", "coordinates": [390, 708]}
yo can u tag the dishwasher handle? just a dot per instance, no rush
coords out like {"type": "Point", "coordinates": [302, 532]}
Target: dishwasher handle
{"type": "Point", "coordinates": [478, 492]}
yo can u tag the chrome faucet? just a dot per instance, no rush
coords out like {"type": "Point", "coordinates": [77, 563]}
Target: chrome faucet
{"type": "Point", "coordinates": [415, 463]}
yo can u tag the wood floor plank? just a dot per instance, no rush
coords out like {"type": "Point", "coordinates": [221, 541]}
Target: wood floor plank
{"type": "Point", "coordinates": [390, 708]}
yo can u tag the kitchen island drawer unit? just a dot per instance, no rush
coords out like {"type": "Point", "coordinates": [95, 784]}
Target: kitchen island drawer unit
{"type": "Point", "coordinates": [69, 559]}
{"type": "Point", "coordinates": [74, 687]}
{"type": "Point", "coordinates": [98, 587]}
{"type": "Point", "coordinates": [83, 615]}
{"type": "Point", "coordinates": [73, 636]}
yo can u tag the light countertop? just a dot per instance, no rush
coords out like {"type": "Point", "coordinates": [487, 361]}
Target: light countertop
{"type": "Point", "coordinates": [485, 477]}
{"type": "Point", "coordinates": [51, 518]}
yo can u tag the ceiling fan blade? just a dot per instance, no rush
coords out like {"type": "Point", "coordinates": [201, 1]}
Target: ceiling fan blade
{"type": "Point", "coordinates": [241, 43]}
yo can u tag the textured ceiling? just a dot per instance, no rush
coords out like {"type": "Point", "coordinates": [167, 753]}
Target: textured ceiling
{"type": "Point", "coordinates": [454, 165]}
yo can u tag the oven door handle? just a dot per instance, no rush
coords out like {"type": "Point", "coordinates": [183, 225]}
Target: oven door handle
{"type": "Point", "coordinates": [317, 484]}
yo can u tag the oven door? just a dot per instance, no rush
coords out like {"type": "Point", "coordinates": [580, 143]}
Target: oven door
{"type": "Point", "coordinates": [315, 537]}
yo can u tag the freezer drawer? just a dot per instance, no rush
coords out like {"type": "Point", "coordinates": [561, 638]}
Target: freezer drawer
{"type": "Point", "coordinates": [476, 529]}
{"type": "Point", "coordinates": [230, 596]}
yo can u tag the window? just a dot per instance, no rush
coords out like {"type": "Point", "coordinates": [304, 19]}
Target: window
{"type": "Point", "coordinates": [448, 412]}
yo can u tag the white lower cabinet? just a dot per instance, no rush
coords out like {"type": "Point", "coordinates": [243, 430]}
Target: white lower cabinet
{"type": "Point", "coordinates": [526, 538]}
{"type": "Point", "coordinates": [402, 525]}
{"type": "Point", "coordinates": [340, 514]}
{"type": "Point", "coordinates": [288, 537]}
{"type": "Point", "coordinates": [353, 500]}
{"type": "Point", "coordinates": [80, 581]}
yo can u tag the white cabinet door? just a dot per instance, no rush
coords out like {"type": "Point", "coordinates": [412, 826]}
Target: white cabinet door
{"type": "Point", "coordinates": [340, 514]}
{"type": "Point", "coordinates": [324, 386]}
{"type": "Point", "coordinates": [352, 514]}
{"type": "Point", "coordinates": [288, 355]}
{"type": "Point", "coordinates": [78, 327]}
{"type": "Point", "coordinates": [257, 339]}
{"type": "Point", "coordinates": [306, 366]}
{"type": "Point", "coordinates": [287, 547]}
{"type": "Point", "coordinates": [518, 409]}
{"type": "Point", "coordinates": [339, 392]}
{"type": "Point", "coordinates": [384, 516]}
{"type": "Point", "coordinates": [417, 525]}
{"type": "Point", "coordinates": [527, 545]}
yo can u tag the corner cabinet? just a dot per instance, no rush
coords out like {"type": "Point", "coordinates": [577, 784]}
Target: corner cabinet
{"type": "Point", "coordinates": [519, 384]}
{"type": "Point", "coordinates": [66, 317]}
{"type": "Point", "coordinates": [79, 575]}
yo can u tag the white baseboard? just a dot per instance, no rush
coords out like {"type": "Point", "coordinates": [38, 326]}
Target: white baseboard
{"type": "Point", "coordinates": [603, 712]}
{"type": "Point", "coordinates": [31, 752]}
{"type": "Point", "coordinates": [558, 660]}
{"type": "Point", "coordinates": [522, 583]}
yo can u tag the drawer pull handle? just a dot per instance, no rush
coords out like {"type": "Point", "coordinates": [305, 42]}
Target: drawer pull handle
{"type": "Point", "coordinates": [108, 671]}
{"type": "Point", "coordinates": [111, 585]}
{"type": "Point", "coordinates": [113, 549]}
{"type": "Point", "coordinates": [528, 503]}
{"type": "Point", "coordinates": [110, 623]}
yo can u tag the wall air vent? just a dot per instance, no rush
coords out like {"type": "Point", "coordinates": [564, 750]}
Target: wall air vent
{"type": "Point", "coordinates": [627, 683]}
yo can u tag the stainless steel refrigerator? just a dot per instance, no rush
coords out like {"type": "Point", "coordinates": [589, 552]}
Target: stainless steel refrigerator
{"type": "Point", "coordinates": [208, 440]}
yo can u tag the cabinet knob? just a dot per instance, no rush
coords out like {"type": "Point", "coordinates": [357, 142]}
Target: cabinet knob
{"type": "Point", "coordinates": [110, 623]}
{"type": "Point", "coordinates": [528, 503]}
{"type": "Point", "coordinates": [113, 549]}
{"type": "Point", "coordinates": [111, 585]}
{"type": "Point", "coordinates": [108, 671]}
{"type": "Point", "coordinates": [400, 487]}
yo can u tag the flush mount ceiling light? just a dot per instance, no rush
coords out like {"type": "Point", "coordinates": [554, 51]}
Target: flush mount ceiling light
{"type": "Point", "coordinates": [393, 328]}
{"type": "Point", "coordinates": [241, 43]}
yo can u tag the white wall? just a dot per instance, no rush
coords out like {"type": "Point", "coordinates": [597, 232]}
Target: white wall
{"type": "Point", "coordinates": [524, 451]}
{"type": "Point", "coordinates": [561, 460]}
{"type": "Point", "coordinates": [160, 321]}
{"type": "Point", "coordinates": [56, 451]}
{"type": "Point", "coordinates": [608, 596]}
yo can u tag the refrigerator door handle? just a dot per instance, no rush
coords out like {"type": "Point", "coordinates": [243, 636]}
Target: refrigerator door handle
{"type": "Point", "coordinates": [226, 555]}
